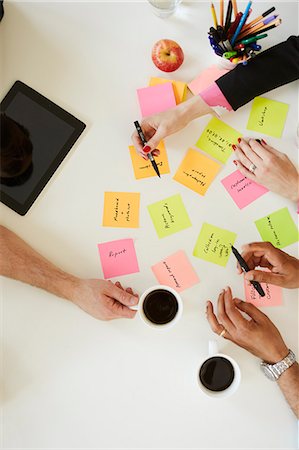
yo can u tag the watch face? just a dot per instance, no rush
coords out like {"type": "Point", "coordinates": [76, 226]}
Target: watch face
{"type": "Point", "coordinates": [268, 372]}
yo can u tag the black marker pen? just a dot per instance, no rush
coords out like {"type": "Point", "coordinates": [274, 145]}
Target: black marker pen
{"type": "Point", "coordinates": [245, 268]}
{"type": "Point", "coordinates": [143, 140]}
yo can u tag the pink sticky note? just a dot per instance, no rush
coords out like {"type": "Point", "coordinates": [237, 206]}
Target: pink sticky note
{"type": "Point", "coordinates": [273, 293]}
{"type": "Point", "coordinates": [242, 190]}
{"type": "Point", "coordinates": [155, 99]}
{"type": "Point", "coordinates": [118, 258]}
{"type": "Point", "coordinates": [176, 271]}
{"type": "Point", "coordinates": [205, 79]}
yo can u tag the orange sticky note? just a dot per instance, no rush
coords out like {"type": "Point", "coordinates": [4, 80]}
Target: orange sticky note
{"type": "Point", "coordinates": [197, 171]}
{"type": "Point", "coordinates": [121, 209]}
{"type": "Point", "coordinates": [143, 168]}
{"type": "Point", "coordinates": [179, 87]}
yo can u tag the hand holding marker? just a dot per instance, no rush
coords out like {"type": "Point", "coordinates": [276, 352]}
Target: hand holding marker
{"type": "Point", "coordinates": [235, 40]}
{"type": "Point", "coordinates": [143, 140]}
{"type": "Point", "coordinates": [245, 268]}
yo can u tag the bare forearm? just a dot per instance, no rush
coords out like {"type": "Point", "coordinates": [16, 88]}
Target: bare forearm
{"type": "Point", "coordinates": [20, 262]}
{"type": "Point", "coordinates": [193, 108]}
{"type": "Point", "coordinates": [289, 385]}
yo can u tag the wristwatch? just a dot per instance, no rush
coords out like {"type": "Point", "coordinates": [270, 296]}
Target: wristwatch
{"type": "Point", "coordinates": [274, 371]}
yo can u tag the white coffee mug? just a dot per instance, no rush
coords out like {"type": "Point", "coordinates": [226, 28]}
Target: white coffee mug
{"type": "Point", "coordinates": [166, 325]}
{"type": "Point", "coordinates": [213, 351]}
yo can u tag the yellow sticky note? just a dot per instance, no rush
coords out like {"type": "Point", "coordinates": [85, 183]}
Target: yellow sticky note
{"type": "Point", "coordinates": [268, 116]}
{"type": "Point", "coordinates": [143, 168]}
{"type": "Point", "coordinates": [197, 171]}
{"type": "Point", "coordinates": [179, 87]}
{"type": "Point", "coordinates": [121, 209]}
{"type": "Point", "coordinates": [217, 139]}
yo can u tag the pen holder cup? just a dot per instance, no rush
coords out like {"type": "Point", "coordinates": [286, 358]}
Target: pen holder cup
{"type": "Point", "coordinates": [224, 63]}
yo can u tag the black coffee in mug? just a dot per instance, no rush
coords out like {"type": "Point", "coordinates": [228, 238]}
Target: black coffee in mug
{"type": "Point", "coordinates": [160, 306]}
{"type": "Point", "coordinates": [217, 373]}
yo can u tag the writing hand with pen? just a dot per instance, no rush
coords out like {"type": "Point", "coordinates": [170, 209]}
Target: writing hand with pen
{"type": "Point", "coordinates": [284, 269]}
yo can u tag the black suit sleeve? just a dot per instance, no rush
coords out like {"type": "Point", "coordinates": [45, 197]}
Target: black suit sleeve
{"type": "Point", "coordinates": [270, 69]}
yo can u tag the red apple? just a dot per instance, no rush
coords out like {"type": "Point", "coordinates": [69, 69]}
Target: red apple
{"type": "Point", "coordinates": [167, 55]}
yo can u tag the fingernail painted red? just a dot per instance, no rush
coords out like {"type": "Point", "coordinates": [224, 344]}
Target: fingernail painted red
{"type": "Point", "coordinates": [146, 149]}
{"type": "Point", "coordinates": [239, 140]}
{"type": "Point", "coordinates": [235, 162]}
{"type": "Point", "coordinates": [234, 147]}
{"type": "Point", "coordinates": [264, 142]}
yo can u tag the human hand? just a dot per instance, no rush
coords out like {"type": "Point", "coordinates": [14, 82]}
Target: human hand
{"type": "Point", "coordinates": [159, 126]}
{"type": "Point", "coordinates": [273, 170]}
{"type": "Point", "coordinates": [258, 335]}
{"type": "Point", "coordinates": [284, 268]}
{"type": "Point", "coordinates": [105, 300]}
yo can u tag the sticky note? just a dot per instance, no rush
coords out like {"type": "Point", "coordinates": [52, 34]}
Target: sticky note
{"type": "Point", "coordinates": [197, 171]}
{"type": "Point", "coordinates": [205, 79]}
{"type": "Point", "coordinates": [176, 271]}
{"type": "Point", "coordinates": [267, 116]}
{"type": "Point", "coordinates": [214, 244]}
{"type": "Point", "coordinates": [217, 139]}
{"type": "Point", "coordinates": [179, 87]}
{"type": "Point", "coordinates": [242, 190]}
{"type": "Point", "coordinates": [118, 258]}
{"type": "Point", "coordinates": [278, 228]}
{"type": "Point", "coordinates": [169, 216]}
{"type": "Point", "coordinates": [155, 99]}
{"type": "Point", "coordinates": [273, 294]}
{"type": "Point", "coordinates": [143, 168]}
{"type": "Point", "coordinates": [121, 209]}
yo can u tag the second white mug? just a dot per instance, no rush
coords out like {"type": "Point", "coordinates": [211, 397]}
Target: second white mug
{"type": "Point", "coordinates": [219, 375]}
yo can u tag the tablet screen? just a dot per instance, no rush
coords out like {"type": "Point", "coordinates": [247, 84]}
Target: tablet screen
{"type": "Point", "coordinates": [52, 132]}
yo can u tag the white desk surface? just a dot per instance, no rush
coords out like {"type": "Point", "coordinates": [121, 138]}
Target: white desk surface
{"type": "Point", "coordinates": [71, 381]}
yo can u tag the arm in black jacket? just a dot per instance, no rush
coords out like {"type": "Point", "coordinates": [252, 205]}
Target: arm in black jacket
{"type": "Point", "coordinates": [272, 68]}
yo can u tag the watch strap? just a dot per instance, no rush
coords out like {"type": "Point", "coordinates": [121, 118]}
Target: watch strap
{"type": "Point", "coordinates": [278, 368]}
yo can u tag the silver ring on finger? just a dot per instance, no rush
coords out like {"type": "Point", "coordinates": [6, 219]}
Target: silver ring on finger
{"type": "Point", "coordinates": [252, 168]}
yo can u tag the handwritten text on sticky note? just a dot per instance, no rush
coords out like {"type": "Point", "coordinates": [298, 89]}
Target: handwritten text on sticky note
{"type": "Point", "coordinates": [242, 190]}
{"type": "Point", "coordinates": [273, 294]}
{"type": "Point", "coordinates": [278, 228]}
{"type": "Point", "coordinates": [121, 209]}
{"type": "Point", "coordinates": [169, 216]}
{"type": "Point", "coordinates": [214, 244]}
{"type": "Point", "coordinates": [143, 168]}
{"type": "Point", "coordinates": [267, 116]}
{"type": "Point", "coordinates": [176, 271]}
{"type": "Point", "coordinates": [118, 258]}
{"type": "Point", "coordinates": [217, 139]}
{"type": "Point", "coordinates": [197, 171]}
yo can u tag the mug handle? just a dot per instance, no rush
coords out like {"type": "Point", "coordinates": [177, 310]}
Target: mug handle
{"type": "Point", "coordinates": [213, 348]}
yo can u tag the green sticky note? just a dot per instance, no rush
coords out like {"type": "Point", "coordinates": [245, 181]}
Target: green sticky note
{"type": "Point", "coordinates": [278, 228]}
{"type": "Point", "coordinates": [214, 244]}
{"type": "Point", "coordinates": [217, 139]}
{"type": "Point", "coordinates": [267, 116]}
{"type": "Point", "coordinates": [169, 216]}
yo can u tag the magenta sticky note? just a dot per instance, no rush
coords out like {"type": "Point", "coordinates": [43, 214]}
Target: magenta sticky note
{"type": "Point", "coordinates": [155, 99]}
{"type": "Point", "coordinates": [205, 79]}
{"type": "Point", "coordinates": [176, 271]}
{"type": "Point", "coordinates": [118, 258]}
{"type": "Point", "coordinates": [242, 190]}
{"type": "Point", "coordinates": [273, 293]}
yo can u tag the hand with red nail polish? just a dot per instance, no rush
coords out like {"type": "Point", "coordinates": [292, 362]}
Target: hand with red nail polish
{"type": "Point", "coordinates": [158, 127]}
{"type": "Point", "coordinates": [271, 168]}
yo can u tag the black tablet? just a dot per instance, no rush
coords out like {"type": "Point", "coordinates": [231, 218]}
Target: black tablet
{"type": "Point", "coordinates": [36, 135]}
